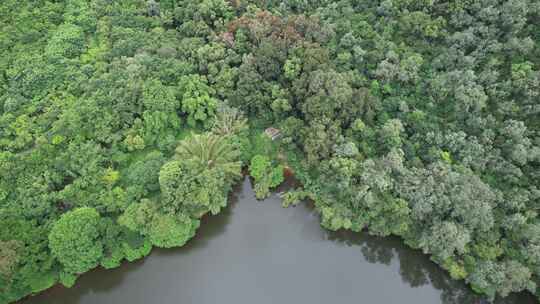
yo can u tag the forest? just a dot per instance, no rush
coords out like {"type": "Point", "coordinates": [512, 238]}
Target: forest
{"type": "Point", "coordinates": [123, 123]}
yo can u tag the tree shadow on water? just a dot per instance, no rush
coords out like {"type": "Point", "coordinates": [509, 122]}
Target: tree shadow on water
{"type": "Point", "coordinates": [416, 269]}
{"type": "Point", "coordinates": [102, 280]}
{"type": "Point", "coordinates": [211, 226]}
{"type": "Point", "coordinates": [98, 280]}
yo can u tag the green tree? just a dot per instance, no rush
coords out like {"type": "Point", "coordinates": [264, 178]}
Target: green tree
{"type": "Point", "coordinates": [186, 188]}
{"type": "Point", "coordinates": [229, 121]}
{"type": "Point", "coordinates": [212, 152]}
{"type": "Point", "coordinates": [265, 175]}
{"type": "Point", "coordinates": [8, 259]}
{"type": "Point", "coordinates": [75, 240]}
{"type": "Point", "coordinates": [167, 231]}
{"type": "Point", "coordinates": [197, 101]}
{"type": "Point", "coordinates": [67, 41]}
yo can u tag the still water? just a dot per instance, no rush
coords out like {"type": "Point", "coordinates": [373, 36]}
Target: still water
{"type": "Point", "coordinates": [258, 252]}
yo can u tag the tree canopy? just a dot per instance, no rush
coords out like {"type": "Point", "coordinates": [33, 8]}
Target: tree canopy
{"type": "Point", "coordinates": [122, 123]}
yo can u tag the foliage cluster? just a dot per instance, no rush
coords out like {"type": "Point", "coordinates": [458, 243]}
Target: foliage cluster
{"type": "Point", "coordinates": [410, 118]}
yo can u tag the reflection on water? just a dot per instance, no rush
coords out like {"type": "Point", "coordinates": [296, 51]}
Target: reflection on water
{"type": "Point", "coordinates": [258, 252]}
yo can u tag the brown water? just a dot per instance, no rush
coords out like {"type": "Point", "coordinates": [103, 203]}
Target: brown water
{"type": "Point", "coordinates": [258, 252]}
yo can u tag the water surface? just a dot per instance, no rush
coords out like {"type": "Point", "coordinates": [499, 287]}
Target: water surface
{"type": "Point", "coordinates": [258, 252]}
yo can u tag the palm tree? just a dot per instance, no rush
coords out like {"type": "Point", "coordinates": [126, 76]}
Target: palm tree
{"type": "Point", "coordinates": [211, 151]}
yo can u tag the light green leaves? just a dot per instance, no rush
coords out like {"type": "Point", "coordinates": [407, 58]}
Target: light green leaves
{"type": "Point", "coordinates": [265, 176]}
{"type": "Point", "coordinates": [74, 240]}
{"type": "Point", "coordinates": [68, 41]}
{"type": "Point", "coordinates": [166, 231]}
{"type": "Point", "coordinates": [197, 102]}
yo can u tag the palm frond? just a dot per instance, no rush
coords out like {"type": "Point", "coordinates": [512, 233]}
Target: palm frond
{"type": "Point", "coordinates": [210, 151]}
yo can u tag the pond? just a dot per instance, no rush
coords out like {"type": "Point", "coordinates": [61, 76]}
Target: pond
{"type": "Point", "coordinates": [258, 252]}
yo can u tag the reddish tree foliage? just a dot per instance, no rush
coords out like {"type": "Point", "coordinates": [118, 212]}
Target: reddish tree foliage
{"type": "Point", "coordinates": [288, 31]}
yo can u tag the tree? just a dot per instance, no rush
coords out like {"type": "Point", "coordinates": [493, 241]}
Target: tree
{"type": "Point", "coordinates": [75, 240]}
{"type": "Point", "coordinates": [411, 118]}
{"type": "Point", "coordinates": [229, 121]}
{"type": "Point", "coordinates": [445, 239]}
{"type": "Point", "coordinates": [142, 176]}
{"type": "Point", "coordinates": [265, 175]}
{"type": "Point", "coordinates": [8, 258]}
{"type": "Point", "coordinates": [67, 41]}
{"type": "Point", "coordinates": [212, 152]}
{"type": "Point", "coordinates": [390, 133]}
{"type": "Point", "coordinates": [188, 188]}
{"type": "Point", "coordinates": [166, 231]}
{"type": "Point", "coordinates": [202, 17]}
{"type": "Point", "coordinates": [197, 102]}
{"type": "Point", "coordinates": [153, 8]}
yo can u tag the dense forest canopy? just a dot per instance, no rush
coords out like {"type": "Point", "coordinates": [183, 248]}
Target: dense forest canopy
{"type": "Point", "coordinates": [122, 123]}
